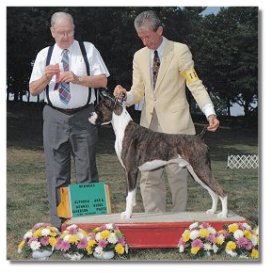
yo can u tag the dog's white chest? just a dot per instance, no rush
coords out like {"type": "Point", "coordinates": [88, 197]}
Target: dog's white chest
{"type": "Point", "coordinates": [119, 124]}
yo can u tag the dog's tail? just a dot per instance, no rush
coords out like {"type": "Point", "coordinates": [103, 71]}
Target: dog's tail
{"type": "Point", "coordinates": [202, 133]}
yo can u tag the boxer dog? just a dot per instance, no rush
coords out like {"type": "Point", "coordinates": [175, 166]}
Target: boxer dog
{"type": "Point", "coordinates": [139, 148]}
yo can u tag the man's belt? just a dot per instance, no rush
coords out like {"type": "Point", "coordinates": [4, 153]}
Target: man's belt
{"type": "Point", "coordinates": [71, 111]}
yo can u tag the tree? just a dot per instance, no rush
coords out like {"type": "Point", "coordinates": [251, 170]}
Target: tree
{"type": "Point", "coordinates": [229, 55]}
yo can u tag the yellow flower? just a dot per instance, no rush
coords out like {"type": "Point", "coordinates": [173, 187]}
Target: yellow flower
{"type": "Point", "coordinates": [233, 227]}
{"type": "Point", "coordinates": [37, 233]}
{"type": "Point", "coordinates": [203, 233]}
{"type": "Point", "coordinates": [219, 240]}
{"type": "Point", "coordinates": [52, 241]}
{"type": "Point", "coordinates": [21, 246]}
{"type": "Point", "coordinates": [194, 250]}
{"type": "Point", "coordinates": [247, 234]}
{"type": "Point", "coordinates": [231, 245]}
{"type": "Point", "coordinates": [73, 239]}
{"type": "Point", "coordinates": [254, 253]}
{"type": "Point", "coordinates": [91, 243]}
{"type": "Point", "coordinates": [105, 234]}
{"type": "Point", "coordinates": [119, 249]}
{"type": "Point", "coordinates": [186, 235]}
{"type": "Point", "coordinates": [89, 250]}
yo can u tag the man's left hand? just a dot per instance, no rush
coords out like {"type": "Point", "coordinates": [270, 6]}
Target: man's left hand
{"type": "Point", "coordinates": [213, 123]}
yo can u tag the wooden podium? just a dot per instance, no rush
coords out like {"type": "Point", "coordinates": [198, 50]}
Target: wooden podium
{"type": "Point", "coordinates": [153, 230]}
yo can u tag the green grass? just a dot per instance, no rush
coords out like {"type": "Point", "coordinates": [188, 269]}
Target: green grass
{"type": "Point", "coordinates": [27, 201]}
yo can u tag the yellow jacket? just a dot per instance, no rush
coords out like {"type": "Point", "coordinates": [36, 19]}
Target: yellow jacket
{"type": "Point", "coordinates": [169, 97]}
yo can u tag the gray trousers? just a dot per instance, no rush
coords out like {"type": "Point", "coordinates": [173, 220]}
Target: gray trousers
{"type": "Point", "coordinates": [152, 184]}
{"type": "Point", "coordinates": [65, 136]}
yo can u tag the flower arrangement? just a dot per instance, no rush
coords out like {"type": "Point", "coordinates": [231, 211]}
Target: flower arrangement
{"type": "Point", "coordinates": [107, 237]}
{"type": "Point", "coordinates": [42, 236]}
{"type": "Point", "coordinates": [73, 242]}
{"type": "Point", "coordinates": [237, 239]}
{"type": "Point", "coordinates": [242, 240]}
{"type": "Point", "coordinates": [200, 240]}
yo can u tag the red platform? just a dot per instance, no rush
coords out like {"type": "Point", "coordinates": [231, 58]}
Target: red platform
{"type": "Point", "coordinates": [152, 230]}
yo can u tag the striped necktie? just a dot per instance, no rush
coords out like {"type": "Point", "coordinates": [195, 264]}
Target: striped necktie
{"type": "Point", "coordinates": [155, 67]}
{"type": "Point", "coordinates": [64, 90]}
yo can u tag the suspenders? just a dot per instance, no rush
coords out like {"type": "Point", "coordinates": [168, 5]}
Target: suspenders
{"type": "Point", "coordinates": [84, 54]}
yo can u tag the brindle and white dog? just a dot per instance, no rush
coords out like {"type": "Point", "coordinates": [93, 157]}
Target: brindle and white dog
{"type": "Point", "coordinates": [139, 148]}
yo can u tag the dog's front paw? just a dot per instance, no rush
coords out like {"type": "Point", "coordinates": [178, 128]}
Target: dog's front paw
{"type": "Point", "coordinates": [210, 211]}
{"type": "Point", "coordinates": [125, 215]}
{"type": "Point", "coordinates": [222, 215]}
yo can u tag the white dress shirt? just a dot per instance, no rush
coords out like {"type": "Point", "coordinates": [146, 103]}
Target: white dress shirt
{"type": "Point", "coordinates": [79, 93]}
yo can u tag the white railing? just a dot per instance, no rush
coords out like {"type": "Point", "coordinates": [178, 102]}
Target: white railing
{"type": "Point", "coordinates": [243, 161]}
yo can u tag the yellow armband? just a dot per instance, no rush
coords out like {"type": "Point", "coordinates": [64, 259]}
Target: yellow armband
{"type": "Point", "coordinates": [190, 76]}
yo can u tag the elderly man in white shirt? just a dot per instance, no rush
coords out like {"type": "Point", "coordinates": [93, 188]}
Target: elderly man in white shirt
{"type": "Point", "coordinates": [68, 83]}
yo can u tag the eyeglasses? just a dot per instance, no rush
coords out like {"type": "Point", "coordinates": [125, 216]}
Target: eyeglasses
{"type": "Point", "coordinates": [65, 33]}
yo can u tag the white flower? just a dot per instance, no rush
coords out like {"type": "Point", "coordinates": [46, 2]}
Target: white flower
{"type": "Point", "coordinates": [28, 234]}
{"type": "Point", "coordinates": [109, 226]}
{"type": "Point", "coordinates": [207, 247]}
{"type": "Point", "coordinates": [181, 248]}
{"type": "Point", "coordinates": [194, 234]}
{"type": "Point", "coordinates": [215, 248]}
{"type": "Point", "coordinates": [97, 236]}
{"type": "Point", "coordinates": [238, 234]}
{"type": "Point", "coordinates": [246, 226]}
{"type": "Point", "coordinates": [231, 253]}
{"type": "Point", "coordinates": [80, 235]}
{"type": "Point", "coordinates": [74, 256]}
{"type": "Point", "coordinates": [257, 230]}
{"type": "Point", "coordinates": [126, 248]}
{"type": "Point", "coordinates": [193, 225]}
{"type": "Point", "coordinates": [99, 250]}
{"type": "Point", "coordinates": [45, 232]}
{"type": "Point", "coordinates": [112, 238]}
{"type": "Point", "coordinates": [66, 238]}
{"type": "Point", "coordinates": [254, 240]}
{"type": "Point", "coordinates": [35, 245]}
{"type": "Point", "coordinates": [211, 230]}
{"type": "Point", "coordinates": [74, 226]}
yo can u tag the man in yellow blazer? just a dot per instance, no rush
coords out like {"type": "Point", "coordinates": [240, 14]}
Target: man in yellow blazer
{"type": "Point", "coordinates": [165, 105]}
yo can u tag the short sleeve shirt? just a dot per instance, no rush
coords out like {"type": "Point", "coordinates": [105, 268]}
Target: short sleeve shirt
{"type": "Point", "coordinates": [79, 94]}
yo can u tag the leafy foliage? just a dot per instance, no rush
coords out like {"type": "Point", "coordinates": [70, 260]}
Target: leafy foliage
{"type": "Point", "coordinates": [224, 46]}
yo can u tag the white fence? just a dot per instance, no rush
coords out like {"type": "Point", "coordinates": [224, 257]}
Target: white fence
{"type": "Point", "coordinates": [243, 161]}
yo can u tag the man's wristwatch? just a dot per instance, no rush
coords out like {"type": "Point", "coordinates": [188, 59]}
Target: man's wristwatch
{"type": "Point", "coordinates": [79, 80]}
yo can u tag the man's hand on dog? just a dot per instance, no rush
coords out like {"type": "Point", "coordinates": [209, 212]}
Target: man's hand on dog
{"type": "Point", "coordinates": [213, 123]}
{"type": "Point", "coordinates": [120, 92]}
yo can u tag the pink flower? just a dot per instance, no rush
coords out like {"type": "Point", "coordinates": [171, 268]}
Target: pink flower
{"type": "Point", "coordinates": [44, 241]}
{"type": "Point", "coordinates": [211, 238]}
{"type": "Point", "coordinates": [181, 242]}
{"type": "Point", "coordinates": [122, 241]}
{"type": "Point", "coordinates": [65, 246]}
{"type": "Point", "coordinates": [205, 225]}
{"type": "Point", "coordinates": [73, 230]}
{"type": "Point", "coordinates": [197, 243]}
{"type": "Point", "coordinates": [82, 243]}
{"type": "Point", "coordinates": [242, 242]}
{"type": "Point", "coordinates": [102, 243]}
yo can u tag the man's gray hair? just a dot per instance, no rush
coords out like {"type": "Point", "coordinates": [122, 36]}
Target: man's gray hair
{"type": "Point", "coordinates": [60, 15]}
{"type": "Point", "coordinates": [147, 19]}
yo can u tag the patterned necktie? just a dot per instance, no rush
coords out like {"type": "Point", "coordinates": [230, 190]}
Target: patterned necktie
{"type": "Point", "coordinates": [64, 90]}
{"type": "Point", "coordinates": [155, 67]}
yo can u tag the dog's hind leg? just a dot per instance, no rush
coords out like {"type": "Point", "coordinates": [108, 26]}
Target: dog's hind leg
{"type": "Point", "coordinates": [214, 197]}
{"type": "Point", "coordinates": [224, 203]}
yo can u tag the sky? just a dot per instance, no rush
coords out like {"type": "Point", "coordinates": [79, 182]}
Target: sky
{"type": "Point", "coordinates": [265, 151]}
